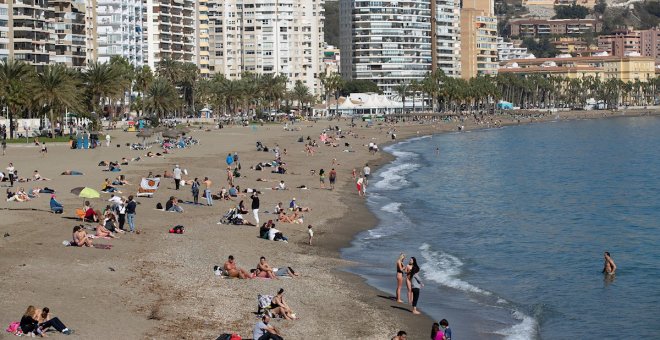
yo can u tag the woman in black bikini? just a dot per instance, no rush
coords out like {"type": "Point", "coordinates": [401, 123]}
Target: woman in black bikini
{"type": "Point", "coordinates": [400, 268]}
{"type": "Point", "coordinates": [279, 307]}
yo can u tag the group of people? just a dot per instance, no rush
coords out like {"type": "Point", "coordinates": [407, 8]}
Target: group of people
{"type": "Point", "coordinates": [263, 270]}
{"type": "Point", "coordinates": [410, 273]}
{"type": "Point", "coordinates": [36, 322]}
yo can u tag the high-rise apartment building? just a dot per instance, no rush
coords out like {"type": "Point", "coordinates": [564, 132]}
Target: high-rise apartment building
{"type": "Point", "coordinates": [30, 33]}
{"type": "Point", "coordinates": [478, 39]}
{"type": "Point", "coordinates": [91, 46]}
{"type": "Point", "coordinates": [170, 31]}
{"type": "Point", "coordinates": [283, 37]}
{"type": "Point", "coordinates": [119, 26]}
{"type": "Point", "coordinates": [70, 42]}
{"type": "Point", "coordinates": [4, 30]}
{"type": "Point", "coordinates": [391, 42]}
{"type": "Point", "coordinates": [202, 30]}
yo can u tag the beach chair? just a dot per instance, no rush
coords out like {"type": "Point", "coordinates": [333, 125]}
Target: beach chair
{"type": "Point", "coordinates": [80, 214]}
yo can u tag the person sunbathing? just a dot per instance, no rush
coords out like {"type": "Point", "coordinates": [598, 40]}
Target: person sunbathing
{"type": "Point", "coordinates": [102, 231]}
{"type": "Point", "coordinates": [80, 238]}
{"type": "Point", "coordinates": [106, 187]}
{"type": "Point", "coordinates": [265, 270]}
{"type": "Point", "coordinates": [19, 196]}
{"type": "Point", "coordinates": [233, 271]}
{"type": "Point", "coordinates": [124, 161]}
{"type": "Point", "coordinates": [37, 177]}
{"type": "Point", "coordinates": [71, 173]}
{"type": "Point", "coordinates": [120, 180]}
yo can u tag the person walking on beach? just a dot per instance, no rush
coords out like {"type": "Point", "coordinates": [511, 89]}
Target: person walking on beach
{"type": "Point", "coordinates": [130, 213]}
{"type": "Point", "coordinates": [310, 232]}
{"type": "Point", "coordinates": [207, 191]}
{"type": "Point", "coordinates": [416, 284]}
{"type": "Point", "coordinates": [322, 178]}
{"type": "Point", "coordinates": [609, 267]}
{"type": "Point", "coordinates": [367, 172]}
{"type": "Point", "coordinates": [333, 178]}
{"type": "Point", "coordinates": [255, 206]}
{"type": "Point", "coordinates": [11, 173]}
{"type": "Point", "coordinates": [194, 188]}
{"type": "Point", "coordinates": [229, 160]}
{"type": "Point", "coordinates": [176, 173]}
{"type": "Point", "coordinates": [400, 272]}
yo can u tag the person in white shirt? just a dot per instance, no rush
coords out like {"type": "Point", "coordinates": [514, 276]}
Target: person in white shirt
{"type": "Point", "coordinates": [176, 173]}
{"type": "Point", "coordinates": [367, 172]}
{"type": "Point", "coordinates": [310, 232]}
{"type": "Point", "coordinates": [115, 199]}
{"type": "Point", "coordinates": [107, 140]}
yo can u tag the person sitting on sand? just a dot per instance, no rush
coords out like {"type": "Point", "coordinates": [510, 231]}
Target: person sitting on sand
{"type": "Point", "coordinates": [90, 214]}
{"type": "Point", "coordinates": [232, 192]}
{"type": "Point", "coordinates": [106, 187]}
{"type": "Point", "coordinates": [124, 161]}
{"type": "Point", "coordinates": [275, 235]}
{"type": "Point", "coordinates": [279, 307]}
{"type": "Point", "coordinates": [46, 321]}
{"type": "Point", "coordinates": [120, 180]}
{"type": "Point", "coordinates": [280, 186]}
{"type": "Point", "coordinates": [80, 238]}
{"type": "Point", "coordinates": [37, 177]}
{"type": "Point", "coordinates": [233, 271]}
{"type": "Point", "coordinates": [71, 173]}
{"type": "Point", "coordinates": [278, 207]}
{"type": "Point", "coordinates": [19, 196]}
{"type": "Point", "coordinates": [264, 270]}
{"type": "Point", "coordinates": [263, 331]}
{"type": "Point", "coordinates": [110, 222]}
{"type": "Point", "coordinates": [263, 230]}
{"type": "Point", "coordinates": [172, 205]}
{"type": "Point", "coordinates": [241, 208]}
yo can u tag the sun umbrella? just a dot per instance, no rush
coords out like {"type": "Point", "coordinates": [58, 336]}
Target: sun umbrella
{"type": "Point", "coordinates": [85, 192]}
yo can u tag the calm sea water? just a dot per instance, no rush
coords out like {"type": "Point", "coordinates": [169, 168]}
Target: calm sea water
{"type": "Point", "coordinates": [509, 226]}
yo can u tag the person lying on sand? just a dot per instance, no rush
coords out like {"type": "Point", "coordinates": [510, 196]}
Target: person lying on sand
{"type": "Point", "coordinates": [19, 196]}
{"type": "Point", "coordinates": [120, 180]}
{"type": "Point", "coordinates": [124, 161]}
{"type": "Point", "coordinates": [80, 238]}
{"type": "Point", "coordinates": [71, 173]}
{"type": "Point", "coordinates": [233, 271]}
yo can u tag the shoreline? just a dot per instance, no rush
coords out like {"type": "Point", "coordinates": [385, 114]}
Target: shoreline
{"type": "Point", "coordinates": [162, 286]}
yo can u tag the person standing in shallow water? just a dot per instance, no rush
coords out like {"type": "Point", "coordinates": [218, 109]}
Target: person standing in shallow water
{"type": "Point", "coordinates": [609, 267]}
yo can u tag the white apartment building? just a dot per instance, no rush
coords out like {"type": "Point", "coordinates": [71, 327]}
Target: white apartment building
{"type": "Point", "coordinates": [119, 25]}
{"type": "Point", "coordinates": [30, 31]}
{"type": "Point", "coordinates": [170, 31]}
{"type": "Point", "coordinates": [202, 31]}
{"type": "Point", "coordinates": [70, 43]}
{"type": "Point", "coordinates": [283, 37]}
{"type": "Point", "coordinates": [507, 50]}
{"type": "Point", "coordinates": [390, 42]}
{"type": "Point", "coordinates": [4, 31]}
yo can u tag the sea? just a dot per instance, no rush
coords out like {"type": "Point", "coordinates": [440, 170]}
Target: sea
{"type": "Point", "coordinates": [509, 226]}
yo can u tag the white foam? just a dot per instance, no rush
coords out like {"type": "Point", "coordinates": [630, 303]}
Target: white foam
{"type": "Point", "coordinates": [444, 268]}
{"type": "Point", "coordinates": [526, 329]}
{"type": "Point", "coordinates": [394, 178]}
{"type": "Point", "coordinates": [394, 208]}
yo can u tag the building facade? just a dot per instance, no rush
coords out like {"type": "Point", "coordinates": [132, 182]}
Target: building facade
{"type": "Point", "coordinates": [202, 31]}
{"type": "Point", "coordinates": [391, 42]}
{"type": "Point", "coordinates": [282, 37]}
{"type": "Point", "coordinates": [30, 31]}
{"type": "Point", "coordinates": [70, 31]}
{"type": "Point", "coordinates": [507, 50]}
{"type": "Point", "coordinates": [478, 39]}
{"type": "Point", "coordinates": [536, 28]}
{"type": "Point", "coordinates": [119, 30]}
{"type": "Point", "coordinates": [627, 69]}
{"type": "Point", "coordinates": [170, 31]}
{"type": "Point", "coordinates": [632, 42]}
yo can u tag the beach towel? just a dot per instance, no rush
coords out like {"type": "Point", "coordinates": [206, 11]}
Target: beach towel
{"type": "Point", "coordinates": [148, 187]}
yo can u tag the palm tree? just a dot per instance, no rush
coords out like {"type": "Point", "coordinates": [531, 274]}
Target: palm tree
{"type": "Point", "coordinates": [143, 79]}
{"type": "Point", "coordinates": [16, 83]}
{"type": "Point", "coordinates": [170, 70]}
{"type": "Point", "coordinates": [300, 93]}
{"type": "Point", "coordinates": [161, 97]}
{"type": "Point", "coordinates": [402, 91]}
{"type": "Point", "coordinates": [332, 83]}
{"type": "Point", "coordinates": [103, 83]}
{"type": "Point", "coordinates": [189, 75]}
{"type": "Point", "coordinates": [126, 72]}
{"type": "Point", "coordinates": [56, 88]}
{"type": "Point", "coordinates": [228, 92]}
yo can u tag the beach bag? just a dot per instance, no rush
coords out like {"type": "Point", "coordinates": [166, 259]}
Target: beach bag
{"type": "Point", "coordinates": [264, 301]}
{"type": "Point", "coordinates": [177, 230]}
{"type": "Point", "coordinates": [159, 206]}
{"type": "Point", "coordinates": [14, 327]}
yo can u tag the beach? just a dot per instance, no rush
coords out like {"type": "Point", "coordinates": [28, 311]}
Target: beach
{"type": "Point", "coordinates": [161, 285]}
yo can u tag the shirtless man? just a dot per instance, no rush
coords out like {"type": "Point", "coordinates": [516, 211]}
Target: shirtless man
{"type": "Point", "coordinates": [609, 267]}
{"type": "Point", "coordinates": [233, 270]}
{"type": "Point", "coordinates": [207, 191]}
{"type": "Point", "coordinates": [265, 270]}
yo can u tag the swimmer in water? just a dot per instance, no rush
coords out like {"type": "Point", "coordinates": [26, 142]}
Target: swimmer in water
{"type": "Point", "coordinates": [437, 151]}
{"type": "Point", "coordinates": [609, 267]}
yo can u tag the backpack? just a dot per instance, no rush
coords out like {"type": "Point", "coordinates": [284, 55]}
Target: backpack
{"type": "Point", "coordinates": [14, 328]}
{"type": "Point", "coordinates": [159, 206]}
{"type": "Point", "coordinates": [179, 229]}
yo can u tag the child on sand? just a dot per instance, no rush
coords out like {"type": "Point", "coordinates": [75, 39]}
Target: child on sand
{"type": "Point", "coordinates": [310, 232]}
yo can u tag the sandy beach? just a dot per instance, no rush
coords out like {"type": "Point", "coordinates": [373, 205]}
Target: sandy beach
{"type": "Point", "coordinates": [156, 285]}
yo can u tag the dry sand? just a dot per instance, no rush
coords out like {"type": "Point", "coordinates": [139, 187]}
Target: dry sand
{"type": "Point", "coordinates": [160, 285]}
